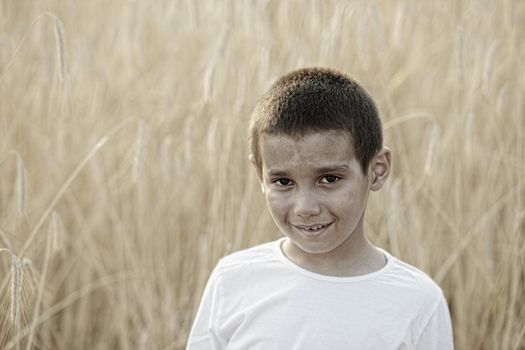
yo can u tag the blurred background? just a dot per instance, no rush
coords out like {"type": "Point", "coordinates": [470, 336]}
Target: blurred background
{"type": "Point", "coordinates": [124, 172]}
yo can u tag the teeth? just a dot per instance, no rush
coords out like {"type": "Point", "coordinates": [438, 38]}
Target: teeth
{"type": "Point", "coordinates": [314, 228]}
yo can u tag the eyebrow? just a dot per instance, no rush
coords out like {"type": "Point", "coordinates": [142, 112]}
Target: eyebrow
{"type": "Point", "coordinates": [324, 169]}
{"type": "Point", "coordinates": [333, 168]}
{"type": "Point", "coordinates": [277, 173]}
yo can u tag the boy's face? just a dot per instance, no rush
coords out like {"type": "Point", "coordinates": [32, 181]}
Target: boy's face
{"type": "Point", "coordinates": [315, 188]}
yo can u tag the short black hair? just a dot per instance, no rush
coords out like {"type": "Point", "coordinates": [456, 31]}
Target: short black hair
{"type": "Point", "coordinates": [318, 99]}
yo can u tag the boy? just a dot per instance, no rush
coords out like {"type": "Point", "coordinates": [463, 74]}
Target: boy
{"type": "Point", "coordinates": [316, 146]}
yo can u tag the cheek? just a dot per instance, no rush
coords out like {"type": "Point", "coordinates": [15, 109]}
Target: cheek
{"type": "Point", "coordinates": [347, 201]}
{"type": "Point", "coordinates": [277, 203]}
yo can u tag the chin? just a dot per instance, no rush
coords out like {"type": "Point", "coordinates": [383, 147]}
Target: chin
{"type": "Point", "coordinates": [312, 248]}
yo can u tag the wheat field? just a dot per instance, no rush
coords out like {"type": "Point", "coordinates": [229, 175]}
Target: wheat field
{"type": "Point", "coordinates": [124, 172]}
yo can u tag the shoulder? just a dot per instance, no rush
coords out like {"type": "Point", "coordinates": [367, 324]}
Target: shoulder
{"type": "Point", "coordinates": [247, 272]}
{"type": "Point", "coordinates": [414, 285]}
{"type": "Point", "coordinates": [249, 259]}
{"type": "Point", "coordinates": [431, 322]}
{"type": "Point", "coordinates": [410, 276]}
{"type": "Point", "coordinates": [414, 294]}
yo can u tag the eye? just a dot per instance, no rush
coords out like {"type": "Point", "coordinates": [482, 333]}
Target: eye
{"type": "Point", "coordinates": [330, 179]}
{"type": "Point", "coordinates": [282, 182]}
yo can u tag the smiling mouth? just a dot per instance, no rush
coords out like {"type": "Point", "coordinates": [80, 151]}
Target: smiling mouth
{"type": "Point", "coordinates": [312, 229]}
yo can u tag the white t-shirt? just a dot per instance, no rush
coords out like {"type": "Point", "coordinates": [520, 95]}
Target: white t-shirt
{"type": "Point", "coordinates": [258, 299]}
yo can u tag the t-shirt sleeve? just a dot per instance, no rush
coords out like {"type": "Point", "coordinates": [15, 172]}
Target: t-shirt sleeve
{"type": "Point", "coordinates": [203, 333]}
{"type": "Point", "coordinates": [437, 333]}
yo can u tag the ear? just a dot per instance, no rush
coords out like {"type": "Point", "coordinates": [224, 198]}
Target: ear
{"type": "Point", "coordinates": [380, 168]}
{"type": "Point", "coordinates": [251, 157]}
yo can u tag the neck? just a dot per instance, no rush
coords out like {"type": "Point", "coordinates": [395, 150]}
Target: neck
{"type": "Point", "coordinates": [354, 257]}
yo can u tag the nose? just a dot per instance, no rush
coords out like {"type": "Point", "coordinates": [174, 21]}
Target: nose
{"type": "Point", "coordinates": [306, 204]}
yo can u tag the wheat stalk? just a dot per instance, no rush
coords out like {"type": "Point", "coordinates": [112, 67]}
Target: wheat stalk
{"type": "Point", "coordinates": [140, 149]}
{"type": "Point", "coordinates": [433, 142]}
{"type": "Point", "coordinates": [50, 239]}
{"type": "Point", "coordinates": [166, 159]}
{"type": "Point", "coordinates": [21, 193]}
{"type": "Point", "coordinates": [59, 34]}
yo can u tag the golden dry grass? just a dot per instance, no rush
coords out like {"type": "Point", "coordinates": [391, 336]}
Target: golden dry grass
{"type": "Point", "coordinates": [123, 155]}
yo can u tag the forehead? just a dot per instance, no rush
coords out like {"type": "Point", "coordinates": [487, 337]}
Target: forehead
{"type": "Point", "coordinates": [318, 149]}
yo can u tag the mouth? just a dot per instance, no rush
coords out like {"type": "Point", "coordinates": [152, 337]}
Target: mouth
{"type": "Point", "coordinates": [313, 230]}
